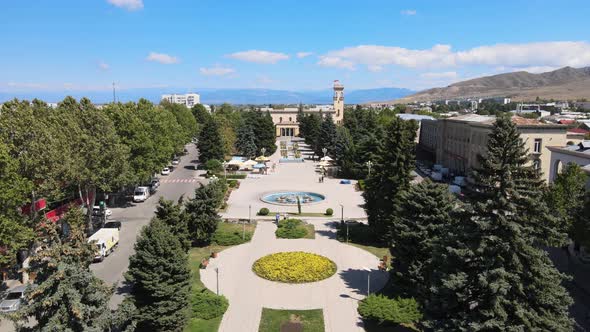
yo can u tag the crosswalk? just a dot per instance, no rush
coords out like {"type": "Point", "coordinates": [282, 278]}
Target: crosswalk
{"type": "Point", "coordinates": [178, 180]}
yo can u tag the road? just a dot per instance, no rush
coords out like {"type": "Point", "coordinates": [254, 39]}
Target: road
{"type": "Point", "coordinates": [182, 181]}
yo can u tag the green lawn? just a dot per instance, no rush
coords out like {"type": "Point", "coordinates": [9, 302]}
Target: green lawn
{"type": "Point", "coordinates": [377, 251]}
{"type": "Point", "coordinates": [196, 255]}
{"type": "Point", "coordinates": [310, 231]}
{"type": "Point", "coordinates": [272, 320]}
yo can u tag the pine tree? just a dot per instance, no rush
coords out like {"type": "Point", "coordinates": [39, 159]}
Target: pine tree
{"type": "Point", "coordinates": [326, 137]}
{"type": "Point", "coordinates": [202, 214]}
{"type": "Point", "coordinates": [210, 142]}
{"type": "Point", "coordinates": [245, 142]}
{"type": "Point", "coordinates": [491, 273]}
{"type": "Point", "coordinates": [390, 177]}
{"type": "Point", "coordinates": [173, 215]}
{"type": "Point", "coordinates": [427, 214]}
{"type": "Point", "coordinates": [264, 132]}
{"type": "Point", "coordinates": [160, 280]}
{"type": "Point", "coordinates": [68, 296]}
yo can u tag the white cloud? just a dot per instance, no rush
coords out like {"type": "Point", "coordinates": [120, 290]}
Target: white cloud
{"type": "Point", "coordinates": [162, 58]}
{"type": "Point", "coordinates": [530, 55]}
{"type": "Point", "coordinates": [127, 4]}
{"type": "Point", "coordinates": [375, 68]}
{"type": "Point", "coordinates": [303, 54]}
{"type": "Point", "coordinates": [26, 85]}
{"type": "Point", "coordinates": [442, 75]}
{"type": "Point", "coordinates": [408, 12]}
{"type": "Point", "coordinates": [334, 61]}
{"type": "Point", "coordinates": [216, 71]}
{"type": "Point", "coordinates": [259, 56]}
{"type": "Point", "coordinates": [103, 66]}
{"type": "Point", "coordinates": [263, 79]}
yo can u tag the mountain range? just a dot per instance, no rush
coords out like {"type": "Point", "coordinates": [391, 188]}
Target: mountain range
{"type": "Point", "coordinates": [218, 96]}
{"type": "Point", "coordinates": [562, 84]}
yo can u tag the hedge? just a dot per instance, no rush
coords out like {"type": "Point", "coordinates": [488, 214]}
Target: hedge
{"type": "Point", "coordinates": [207, 305]}
{"type": "Point", "coordinates": [291, 229]}
{"type": "Point", "coordinates": [383, 310]}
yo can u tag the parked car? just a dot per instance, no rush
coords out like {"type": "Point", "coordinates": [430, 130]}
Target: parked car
{"type": "Point", "coordinates": [97, 212]}
{"type": "Point", "coordinates": [113, 224]}
{"type": "Point", "coordinates": [106, 240]}
{"type": "Point", "coordinates": [154, 185]}
{"type": "Point", "coordinates": [13, 299]}
{"type": "Point", "coordinates": [166, 171]}
{"type": "Point", "coordinates": [175, 161]}
{"type": "Point", "coordinates": [141, 194]}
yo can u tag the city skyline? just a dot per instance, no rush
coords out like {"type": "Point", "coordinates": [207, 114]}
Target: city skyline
{"type": "Point", "coordinates": [151, 44]}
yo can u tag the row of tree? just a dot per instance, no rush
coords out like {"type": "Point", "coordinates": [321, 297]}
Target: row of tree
{"type": "Point", "coordinates": [228, 131]}
{"type": "Point", "coordinates": [479, 263]}
{"type": "Point", "coordinates": [75, 150]}
{"type": "Point", "coordinates": [68, 296]}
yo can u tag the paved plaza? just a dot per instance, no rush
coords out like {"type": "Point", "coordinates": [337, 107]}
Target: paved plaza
{"type": "Point", "coordinates": [294, 177]}
{"type": "Point", "coordinates": [338, 295]}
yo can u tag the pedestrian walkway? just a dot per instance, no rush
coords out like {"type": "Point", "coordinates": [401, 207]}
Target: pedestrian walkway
{"type": "Point", "coordinates": [179, 180]}
{"type": "Point", "coordinates": [338, 295]}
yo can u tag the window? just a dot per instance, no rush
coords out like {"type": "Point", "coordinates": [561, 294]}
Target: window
{"type": "Point", "coordinates": [537, 165]}
{"type": "Point", "coordinates": [281, 119]}
{"type": "Point", "coordinates": [290, 119]}
{"type": "Point", "coordinates": [537, 148]}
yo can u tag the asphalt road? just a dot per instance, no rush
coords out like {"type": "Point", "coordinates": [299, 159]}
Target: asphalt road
{"type": "Point", "coordinates": [182, 181]}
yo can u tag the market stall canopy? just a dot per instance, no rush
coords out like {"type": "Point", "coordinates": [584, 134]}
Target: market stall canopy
{"type": "Point", "coordinates": [235, 162]}
{"type": "Point", "coordinates": [324, 163]}
{"type": "Point", "coordinates": [259, 166]}
{"type": "Point", "coordinates": [326, 158]}
{"type": "Point", "coordinates": [262, 158]}
{"type": "Point", "coordinates": [249, 163]}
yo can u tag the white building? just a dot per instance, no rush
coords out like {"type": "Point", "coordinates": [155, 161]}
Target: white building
{"type": "Point", "coordinates": [189, 99]}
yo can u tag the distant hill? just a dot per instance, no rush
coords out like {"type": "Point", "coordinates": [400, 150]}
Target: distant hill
{"type": "Point", "coordinates": [561, 84]}
{"type": "Point", "coordinates": [218, 96]}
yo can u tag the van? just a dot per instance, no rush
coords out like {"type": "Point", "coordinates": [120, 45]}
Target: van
{"type": "Point", "coordinates": [105, 240]}
{"type": "Point", "coordinates": [141, 194]}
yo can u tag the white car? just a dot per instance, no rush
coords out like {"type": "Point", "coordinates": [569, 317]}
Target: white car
{"type": "Point", "coordinates": [13, 299]}
{"type": "Point", "coordinates": [141, 194]}
{"type": "Point", "coordinates": [175, 161]}
{"type": "Point", "coordinates": [96, 211]}
{"type": "Point", "coordinates": [166, 171]}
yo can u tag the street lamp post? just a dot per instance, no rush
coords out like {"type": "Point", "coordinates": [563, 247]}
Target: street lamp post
{"type": "Point", "coordinates": [217, 277]}
{"type": "Point", "coordinates": [368, 280]}
{"type": "Point", "coordinates": [250, 213]}
{"type": "Point", "coordinates": [324, 150]}
{"type": "Point", "coordinates": [342, 220]}
{"type": "Point", "coordinates": [263, 150]}
{"type": "Point", "coordinates": [369, 164]}
{"type": "Point", "coordinates": [225, 169]}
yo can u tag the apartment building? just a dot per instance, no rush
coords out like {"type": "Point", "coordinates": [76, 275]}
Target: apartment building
{"type": "Point", "coordinates": [188, 99]}
{"type": "Point", "coordinates": [456, 142]}
{"type": "Point", "coordinates": [575, 153]}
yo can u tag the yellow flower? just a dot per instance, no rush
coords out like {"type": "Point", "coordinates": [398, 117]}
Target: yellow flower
{"type": "Point", "coordinates": [294, 267]}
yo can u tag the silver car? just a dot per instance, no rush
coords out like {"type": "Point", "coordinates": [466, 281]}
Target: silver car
{"type": "Point", "coordinates": [13, 299]}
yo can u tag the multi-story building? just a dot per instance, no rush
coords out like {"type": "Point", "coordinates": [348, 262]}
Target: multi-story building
{"type": "Point", "coordinates": [285, 119]}
{"type": "Point", "coordinates": [456, 142]}
{"type": "Point", "coordinates": [188, 99]}
{"type": "Point", "coordinates": [575, 153]}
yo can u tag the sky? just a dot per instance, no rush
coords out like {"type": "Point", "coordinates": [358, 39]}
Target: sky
{"type": "Point", "coordinates": [291, 45]}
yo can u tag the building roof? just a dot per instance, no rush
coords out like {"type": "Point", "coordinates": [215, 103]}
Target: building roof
{"type": "Point", "coordinates": [473, 118]}
{"type": "Point", "coordinates": [566, 121]}
{"type": "Point", "coordinates": [578, 131]}
{"type": "Point", "coordinates": [416, 117]}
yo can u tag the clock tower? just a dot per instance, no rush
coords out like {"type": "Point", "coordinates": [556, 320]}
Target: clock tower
{"type": "Point", "coordinates": [338, 102]}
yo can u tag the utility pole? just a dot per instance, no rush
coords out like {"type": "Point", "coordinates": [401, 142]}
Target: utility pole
{"type": "Point", "coordinates": [114, 96]}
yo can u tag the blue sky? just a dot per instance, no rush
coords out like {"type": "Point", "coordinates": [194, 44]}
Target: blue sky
{"type": "Point", "coordinates": [299, 45]}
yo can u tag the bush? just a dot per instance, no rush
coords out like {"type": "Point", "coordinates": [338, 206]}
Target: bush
{"type": "Point", "coordinates": [358, 233]}
{"type": "Point", "coordinates": [214, 166]}
{"type": "Point", "coordinates": [263, 212]}
{"type": "Point", "coordinates": [294, 267]}
{"type": "Point", "coordinates": [236, 176]}
{"type": "Point", "coordinates": [383, 310]}
{"type": "Point", "coordinates": [329, 212]}
{"type": "Point", "coordinates": [232, 183]}
{"type": "Point", "coordinates": [207, 305]}
{"type": "Point", "coordinates": [361, 185]}
{"type": "Point", "coordinates": [291, 229]}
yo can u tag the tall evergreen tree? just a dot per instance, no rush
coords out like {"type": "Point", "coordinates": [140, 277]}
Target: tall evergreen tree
{"type": "Point", "coordinates": [265, 134]}
{"type": "Point", "coordinates": [326, 137]}
{"type": "Point", "coordinates": [160, 279]}
{"type": "Point", "coordinates": [173, 215]}
{"type": "Point", "coordinates": [245, 142]}
{"type": "Point", "coordinates": [390, 177]}
{"type": "Point", "coordinates": [427, 214]}
{"type": "Point", "coordinates": [202, 214]}
{"type": "Point", "coordinates": [210, 142]}
{"type": "Point", "coordinates": [312, 124]}
{"type": "Point", "coordinates": [492, 274]}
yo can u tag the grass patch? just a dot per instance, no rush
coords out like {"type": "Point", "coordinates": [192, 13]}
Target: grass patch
{"type": "Point", "coordinates": [272, 320]}
{"type": "Point", "coordinates": [295, 229]}
{"type": "Point", "coordinates": [361, 236]}
{"type": "Point", "coordinates": [203, 325]}
{"type": "Point", "coordinates": [231, 234]}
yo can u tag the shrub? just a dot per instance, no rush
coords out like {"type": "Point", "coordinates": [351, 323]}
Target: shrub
{"type": "Point", "coordinates": [291, 229]}
{"type": "Point", "coordinates": [214, 166]}
{"type": "Point", "coordinates": [232, 183]}
{"type": "Point", "coordinates": [236, 176]}
{"type": "Point", "coordinates": [263, 212]}
{"type": "Point", "coordinates": [329, 212]}
{"type": "Point", "coordinates": [294, 267]}
{"type": "Point", "coordinates": [383, 310]}
{"type": "Point", "coordinates": [358, 233]}
{"type": "Point", "coordinates": [361, 185]}
{"type": "Point", "coordinates": [207, 305]}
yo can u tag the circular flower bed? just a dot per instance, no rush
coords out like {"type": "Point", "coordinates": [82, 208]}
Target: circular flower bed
{"type": "Point", "coordinates": [294, 267]}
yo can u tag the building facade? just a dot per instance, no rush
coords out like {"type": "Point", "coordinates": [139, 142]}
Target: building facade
{"type": "Point", "coordinates": [188, 99]}
{"type": "Point", "coordinates": [285, 119]}
{"type": "Point", "coordinates": [563, 155]}
{"type": "Point", "coordinates": [456, 142]}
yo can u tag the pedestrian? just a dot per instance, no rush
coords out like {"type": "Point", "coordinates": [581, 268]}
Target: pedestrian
{"type": "Point", "coordinates": [277, 217]}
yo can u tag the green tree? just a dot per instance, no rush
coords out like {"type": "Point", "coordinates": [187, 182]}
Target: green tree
{"type": "Point", "coordinates": [426, 216]}
{"type": "Point", "coordinates": [245, 143]}
{"type": "Point", "coordinates": [184, 118]}
{"type": "Point", "coordinates": [160, 279]}
{"type": "Point", "coordinates": [172, 214]}
{"type": "Point", "coordinates": [210, 142]}
{"type": "Point", "coordinates": [566, 197]}
{"type": "Point", "coordinates": [491, 273]}
{"type": "Point", "coordinates": [311, 129]}
{"type": "Point", "coordinates": [201, 115]}
{"type": "Point", "coordinates": [264, 131]}
{"type": "Point", "coordinates": [202, 214]}
{"type": "Point", "coordinates": [326, 137]}
{"type": "Point", "coordinates": [390, 177]}
{"type": "Point", "coordinates": [68, 296]}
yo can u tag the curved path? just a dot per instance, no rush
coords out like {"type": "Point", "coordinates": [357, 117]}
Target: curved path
{"type": "Point", "coordinates": [337, 295]}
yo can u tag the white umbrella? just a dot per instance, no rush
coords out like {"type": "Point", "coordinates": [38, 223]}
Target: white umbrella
{"type": "Point", "coordinates": [249, 163]}
{"type": "Point", "coordinates": [326, 158]}
{"type": "Point", "coordinates": [235, 162]}
{"type": "Point", "coordinates": [262, 158]}
{"type": "Point", "coordinates": [324, 163]}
